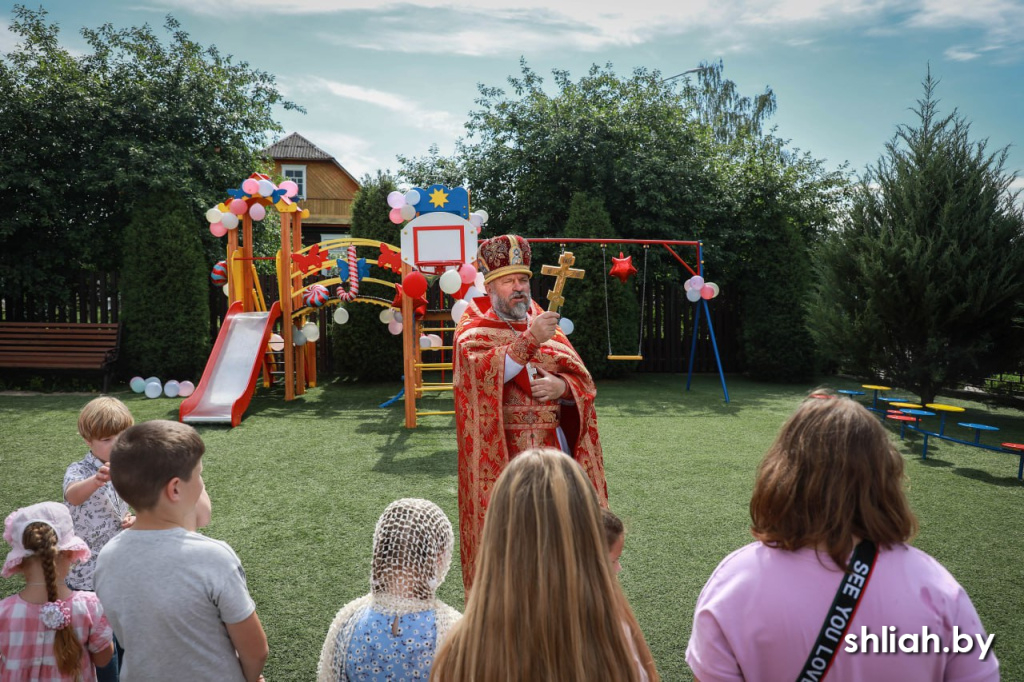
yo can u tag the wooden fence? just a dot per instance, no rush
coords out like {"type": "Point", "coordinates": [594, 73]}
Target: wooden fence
{"type": "Point", "coordinates": [666, 335]}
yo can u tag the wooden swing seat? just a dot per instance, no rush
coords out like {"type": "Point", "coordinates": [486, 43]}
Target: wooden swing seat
{"type": "Point", "coordinates": [625, 357]}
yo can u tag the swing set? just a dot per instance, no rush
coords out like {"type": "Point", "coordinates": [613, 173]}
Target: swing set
{"type": "Point", "coordinates": [701, 303]}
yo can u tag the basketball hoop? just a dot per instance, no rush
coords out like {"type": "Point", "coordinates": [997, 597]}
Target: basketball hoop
{"type": "Point", "coordinates": [434, 242]}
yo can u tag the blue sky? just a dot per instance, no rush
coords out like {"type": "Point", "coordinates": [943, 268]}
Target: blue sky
{"type": "Point", "coordinates": [385, 78]}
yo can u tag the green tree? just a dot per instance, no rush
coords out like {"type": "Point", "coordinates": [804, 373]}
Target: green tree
{"type": "Point", "coordinates": [923, 286]}
{"type": "Point", "coordinates": [668, 159]}
{"type": "Point", "coordinates": [363, 347]}
{"type": "Point", "coordinates": [595, 325]}
{"type": "Point", "coordinates": [88, 137]}
{"type": "Point", "coordinates": [165, 308]}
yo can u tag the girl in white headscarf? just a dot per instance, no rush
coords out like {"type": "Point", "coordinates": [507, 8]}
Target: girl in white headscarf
{"type": "Point", "coordinates": [393, 632]}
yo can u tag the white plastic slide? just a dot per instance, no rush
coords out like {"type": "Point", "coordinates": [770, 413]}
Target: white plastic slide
{"type": "Point", "coordinates": [229, 379]}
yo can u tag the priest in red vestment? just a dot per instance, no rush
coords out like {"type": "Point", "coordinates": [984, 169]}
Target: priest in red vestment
{"type": "Point", "coordinates": [518, 384]}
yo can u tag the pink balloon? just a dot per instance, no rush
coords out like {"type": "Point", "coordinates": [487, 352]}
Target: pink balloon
{"type": "Point", "coordinates": [238, 207]}
{"type": "Point", "coordinates": [395, 327]}
{"type": "Point", "coordinates": [707, 293]}
{"type": "Point", "coordinates": [250, 186]}
{"type": "Point", "coordinates": [395, 216]}
{"type": "Point", "coordinates": [218, 229]}
{"type": "Point", "coordinates": [257, 212]}
{"type": "Point", "coordinates": [396, 199]}
{"type": "Point", "coordinates": [468, 273]}
{"type": "Point", "coordinates": [290, 188]}
{"type": "Point", "coordinates": [696, 282]}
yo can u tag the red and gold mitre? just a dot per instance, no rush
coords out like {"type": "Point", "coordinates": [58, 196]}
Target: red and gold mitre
{"type": "Point", "coordinates": [504, 255]}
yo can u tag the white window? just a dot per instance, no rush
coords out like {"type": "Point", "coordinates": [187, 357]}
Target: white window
{"type": "Point", "coordinates": [296, 174]}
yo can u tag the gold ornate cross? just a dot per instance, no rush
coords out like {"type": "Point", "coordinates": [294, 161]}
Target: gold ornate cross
{"type": "Point", "coordinates": [561, 273]}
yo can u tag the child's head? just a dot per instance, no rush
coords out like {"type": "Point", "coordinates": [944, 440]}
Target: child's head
{"type": "Point", "coordinates": [150, 455]}
{"type": "Point", "coordinates": [615, 534]}
{"type": "Point", "coordinates": [44, 533]}
{"type": "Point", "coordinates": [52, 532]}
{"type": "Point", "coordinates": [412, 549]}
{"type": "Point", "coordinates": [103, 417]}
{"type": "Point", "coordinates": [831, 474]}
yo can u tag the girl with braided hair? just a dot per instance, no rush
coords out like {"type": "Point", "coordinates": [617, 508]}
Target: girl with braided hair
{"type": "Point", "coordinates": [76, 636]}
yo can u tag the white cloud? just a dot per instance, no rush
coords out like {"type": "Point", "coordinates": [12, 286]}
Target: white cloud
{"type": "Point", "coordinates": [490, 27]}
{"type": "Point", "coordinates": [352, 152]}
{"type": "Point", "coordinates": [959, 53]}
{"type": "Point", "coordinates": [416, 115]}
{"type": "Point", "coordinates": [8, 41]}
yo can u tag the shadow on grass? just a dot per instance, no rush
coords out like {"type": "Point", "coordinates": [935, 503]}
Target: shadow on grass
{"type": "Point", "coordinates": [985, 477]}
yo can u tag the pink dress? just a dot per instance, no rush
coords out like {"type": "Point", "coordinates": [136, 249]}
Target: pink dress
{"type": "Point", "coordinates": [26, 645]}
{"type": "Point", "coordinates": [762, 609]}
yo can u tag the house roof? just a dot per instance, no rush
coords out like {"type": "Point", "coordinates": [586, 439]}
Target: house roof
{"type": "Point", "coordinates": [295, 147]}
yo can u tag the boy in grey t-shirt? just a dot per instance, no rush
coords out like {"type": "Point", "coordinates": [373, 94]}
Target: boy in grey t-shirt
{"type": "Point", "coordinates": [178, 601]}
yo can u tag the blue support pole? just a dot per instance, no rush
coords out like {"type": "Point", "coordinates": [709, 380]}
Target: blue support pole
{"type": "Point", "coordinates": [714, 345]}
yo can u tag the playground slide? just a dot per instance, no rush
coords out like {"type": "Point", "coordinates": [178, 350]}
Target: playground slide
{"type": "Point", "coordinates": [229, 379]}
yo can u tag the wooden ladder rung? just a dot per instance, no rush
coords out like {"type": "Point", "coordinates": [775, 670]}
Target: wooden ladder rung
{"type": "Point", "coordinates": [625, 357]}
{"type": "Point", "coordinates": [434, 412]}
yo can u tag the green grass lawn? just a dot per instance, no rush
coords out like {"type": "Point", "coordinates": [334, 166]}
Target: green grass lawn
{"type": "Point", "coordinates": [298, 487]}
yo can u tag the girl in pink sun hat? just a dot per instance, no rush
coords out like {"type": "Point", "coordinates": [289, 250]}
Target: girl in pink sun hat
{"type": "Point", "coordinates": [48, 632]}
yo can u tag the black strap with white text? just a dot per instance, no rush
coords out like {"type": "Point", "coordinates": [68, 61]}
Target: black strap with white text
{"type": "Point", "coordinates": [840, 614]}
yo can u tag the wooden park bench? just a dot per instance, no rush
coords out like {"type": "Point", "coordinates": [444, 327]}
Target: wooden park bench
{"type": "Point", "coordinates": [60, 345]}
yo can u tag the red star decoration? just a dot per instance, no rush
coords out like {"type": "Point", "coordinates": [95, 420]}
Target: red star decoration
{"type": "Point", "coordinates": [419, 305]}
{"type": "Point", "coordinates": [622, 267]}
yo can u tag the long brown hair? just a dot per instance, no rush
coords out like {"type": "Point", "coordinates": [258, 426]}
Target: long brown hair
{"type": "Point", "coordinates": [831, 474]}
{"type": "Point", "coordinates": [41, 538]}
{"type": "Point", "coordinates": [544, 604]}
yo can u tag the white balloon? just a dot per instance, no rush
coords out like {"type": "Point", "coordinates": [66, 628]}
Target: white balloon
{"type": "Point", "coordinates": [397, 316]}
{"type": "Point", "coordinates": [408, 212]}
{"type": "Point", "coordinates": [276, 343]}
{"type": "Point", "coordinates": [266, 188]}
{"type": "Point", "coordinates": [458, 309]}
{"type": "Point", "coordinates": [435, 340]}
{"type": "Point", "coordinates": [226, 289]}
{"type": "Point", "coordinates": [693, 295]}
{"type": "Point", "coordinates": [450, 282]}
{"type": "Point", "coordinates": [567, 326]}
{"type": "Point", "coordinates": [472, 293]}
{"type": "Point", "coordinates": [186, 388]}
{"type": "Point", "coordinates": [714, 287]}
{"type": "Point", "coordinates": [425, 341]}
{"type": "Point", "coordinates": [474, 219]}
{"type": "Point", "coordinates": [172, 388]}
{"type": "Point", "coordinates": [229, 220]}
{"type": "Point", "coordinates": [150, 380]}
{"type": "Point", "coordinates": [483, 215]}
{"type": "Point", "coordinates": [298, 338]}
{"type": "Point", "coordinates": [214, 216]}
{"type": "Point", "coordinates": [387, 315]}
{"type": "Point", "coordinates": [412, 197]}
{"type": "Point", "coordinates": [311, 330]}
{"type": "Point", "coordinates": [153, 389]}
{"type": "Point", "coordinates": [341, 315]}
{"type": "Point", "coordinates": [479, 282]}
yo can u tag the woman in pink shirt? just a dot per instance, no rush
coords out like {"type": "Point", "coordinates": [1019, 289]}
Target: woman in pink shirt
{"type": "Point", "coordinates": [830, 588]}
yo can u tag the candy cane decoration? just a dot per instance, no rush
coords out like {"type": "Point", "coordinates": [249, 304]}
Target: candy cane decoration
{"type": "Point", "coordinates": [353, 278]}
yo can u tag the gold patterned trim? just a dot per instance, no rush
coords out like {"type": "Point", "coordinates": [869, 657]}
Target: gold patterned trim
{"type": "Point", "coordinates": [530, 417]}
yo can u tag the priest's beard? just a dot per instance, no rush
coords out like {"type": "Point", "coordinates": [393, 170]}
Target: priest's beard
{"type": "Point", "coordinates": [513, 308]}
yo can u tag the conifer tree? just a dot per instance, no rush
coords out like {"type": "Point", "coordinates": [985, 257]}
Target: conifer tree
{"type": "Point", "coordinates": [165, 304]}
{"type": "Point", "coordinates": [363, 347]}
{"type": "Point", "coordinates": [923, 287]}
{"type": "Point", "coordinates": [585, 299]}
